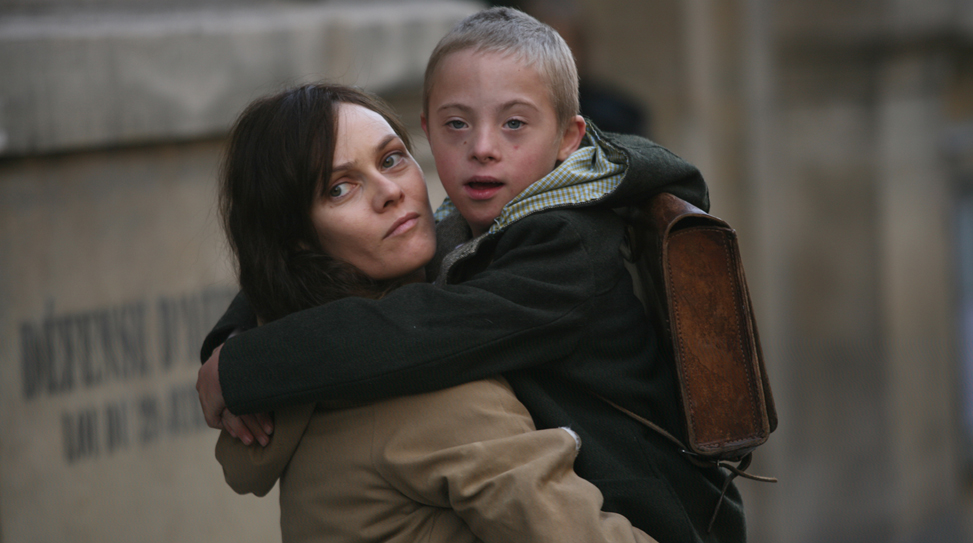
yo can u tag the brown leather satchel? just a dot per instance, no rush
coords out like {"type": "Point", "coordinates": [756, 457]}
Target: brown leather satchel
{"type": "Point", "coordinates": [689, 275]}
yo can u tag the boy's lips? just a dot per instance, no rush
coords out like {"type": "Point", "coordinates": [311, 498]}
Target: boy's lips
{"type": "Point", "coordinates": [482, 188]}
{"type": "Point", "coordinates": [404, 223]}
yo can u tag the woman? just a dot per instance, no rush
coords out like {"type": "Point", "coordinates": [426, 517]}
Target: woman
{"type": "Point", "coordinates": [320, 199]}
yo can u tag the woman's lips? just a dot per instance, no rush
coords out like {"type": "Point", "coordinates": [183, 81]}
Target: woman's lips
{"type": "Point", "coordinates": [482, 188]}
{"type": "Point", "coordinates": [403, 224]}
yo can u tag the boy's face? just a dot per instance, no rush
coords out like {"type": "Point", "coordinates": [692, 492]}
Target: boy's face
{"type": "Point", "coordinates": [493, 131]}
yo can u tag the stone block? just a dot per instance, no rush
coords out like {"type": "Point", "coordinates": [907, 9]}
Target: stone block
{"type": "Point", "coordinates": [112, 267]}
{"type": "Point", "coordinates": [81, 80]}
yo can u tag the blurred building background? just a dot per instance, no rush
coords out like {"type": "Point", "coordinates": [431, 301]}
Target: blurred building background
{"type": "Point", "coordinates": [836, 136]}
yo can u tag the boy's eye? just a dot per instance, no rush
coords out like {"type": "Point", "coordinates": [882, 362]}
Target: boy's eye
{"type": "Point", "coordinates": [455, 124]}
{"type": "Point", "coordinates": [515, 124]}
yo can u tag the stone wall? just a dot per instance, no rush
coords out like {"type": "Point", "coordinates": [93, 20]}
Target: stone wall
{"type": "Point", "coordinates": [112, 264]}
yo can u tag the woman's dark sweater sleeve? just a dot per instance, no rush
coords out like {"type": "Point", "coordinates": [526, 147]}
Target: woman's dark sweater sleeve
{"type": "Point", "coordinates": [524, 309]}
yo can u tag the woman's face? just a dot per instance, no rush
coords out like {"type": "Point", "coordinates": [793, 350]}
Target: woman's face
{"type": "Point", "coordinates": [373, 212]}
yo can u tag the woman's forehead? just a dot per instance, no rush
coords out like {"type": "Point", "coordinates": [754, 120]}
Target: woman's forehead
{"type": "Point", "coordinates": [357, 117]}
{"type": "Point", "coordinates": [361, 131]}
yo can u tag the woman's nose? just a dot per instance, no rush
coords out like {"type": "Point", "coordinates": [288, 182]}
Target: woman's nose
{"type": "Point", "coordinates": [387, 193]}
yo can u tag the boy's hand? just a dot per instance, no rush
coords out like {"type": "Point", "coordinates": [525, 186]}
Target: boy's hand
{"type": "Point", "coordinates": [209, 390]}
{"type": "Point", "coordinates": [246, 428]}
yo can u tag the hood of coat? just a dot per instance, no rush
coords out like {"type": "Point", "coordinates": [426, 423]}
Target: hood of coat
{"type": "Point", "coordinates": [254, 469]}
{"type": "Point", "coordinates": [653, 169]}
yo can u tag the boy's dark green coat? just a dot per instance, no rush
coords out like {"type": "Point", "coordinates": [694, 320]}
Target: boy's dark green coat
{"type": "Point", "coordinates": [548, 303]}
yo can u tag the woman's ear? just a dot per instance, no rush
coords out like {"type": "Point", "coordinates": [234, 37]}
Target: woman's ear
{"type": "Point", "coordinates": [571, 139]}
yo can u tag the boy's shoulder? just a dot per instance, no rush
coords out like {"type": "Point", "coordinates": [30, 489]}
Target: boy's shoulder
{"type": "Point", "coordinates": [581, 218]}
{"type": "Point", "coordinates": [591, 227]}
{"type": "Point", "coordinates": [568, 238]}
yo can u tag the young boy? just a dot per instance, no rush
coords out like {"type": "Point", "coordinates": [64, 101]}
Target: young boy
{"type": "Point", "coordinates": [532, 285]}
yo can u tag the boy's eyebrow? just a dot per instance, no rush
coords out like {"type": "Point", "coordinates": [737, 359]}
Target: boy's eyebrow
{"type": "Point", "coordinates": [506, 105]}
{"type": "Point", "coordinates": [518, 102]}
{"type": "Point", "coordinates": [378, 149]}
{"type": "Point", "coordinates": [460, 107]}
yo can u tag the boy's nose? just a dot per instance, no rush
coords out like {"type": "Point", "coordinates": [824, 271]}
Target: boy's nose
{"type": "Point", "coordinates": [484, 147]}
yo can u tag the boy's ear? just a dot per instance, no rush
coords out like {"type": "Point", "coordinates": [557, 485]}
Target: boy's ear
{"type": "Point", "coordinates": [571, 139]}
{"type": "Point", "coordinates": [422, 121]}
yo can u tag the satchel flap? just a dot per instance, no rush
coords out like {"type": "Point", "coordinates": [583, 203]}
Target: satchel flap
{"type": "Point", "coordinates": [687, 271]}
{"type": "Point", "coordinates": [713, 340]}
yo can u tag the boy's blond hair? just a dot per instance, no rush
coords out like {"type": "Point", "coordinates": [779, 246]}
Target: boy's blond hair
{"type": "Point", "coordinates": [510, 31]}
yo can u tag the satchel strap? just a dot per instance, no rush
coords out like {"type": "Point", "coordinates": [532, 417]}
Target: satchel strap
{"type": "Point", "coordinates": [735, 471]}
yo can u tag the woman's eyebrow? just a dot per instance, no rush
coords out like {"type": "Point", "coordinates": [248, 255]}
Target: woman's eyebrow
{"type": "Point", "coordinates": [385, 142]}
{"type": "Point", "coordinates": [378, 149]}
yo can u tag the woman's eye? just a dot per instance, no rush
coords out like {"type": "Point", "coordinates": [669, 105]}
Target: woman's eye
{"type": "Point", "coordinates": [515, 124]}
{"type": "Point", "coordinates": [391, 160]}
{"type": "Point", "coordinates": [338, 190]}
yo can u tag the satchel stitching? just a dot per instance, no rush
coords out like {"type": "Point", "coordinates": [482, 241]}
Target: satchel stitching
{"type": "Point", "coordinates": [682, 353]}
{"type": "Point", "coordinates": [731, 269]}
{"type": "Point", "coordinates": [676, 318]}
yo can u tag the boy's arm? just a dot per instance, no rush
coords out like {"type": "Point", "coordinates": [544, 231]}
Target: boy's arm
{"type": "Point", "coordinates": [238, 317]}
{"type": "Point", "coordinates": [528, 307]}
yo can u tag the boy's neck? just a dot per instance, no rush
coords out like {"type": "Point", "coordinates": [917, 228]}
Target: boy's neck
{"type": "Point", "coordinates": [477, 232]}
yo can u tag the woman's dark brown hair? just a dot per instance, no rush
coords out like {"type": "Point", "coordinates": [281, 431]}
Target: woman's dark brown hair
{"type": "Point", "coordinates": [280, 149]}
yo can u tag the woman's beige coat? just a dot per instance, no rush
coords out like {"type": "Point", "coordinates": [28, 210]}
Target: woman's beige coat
{"type": "Point", "coordinates": [463, 464]}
